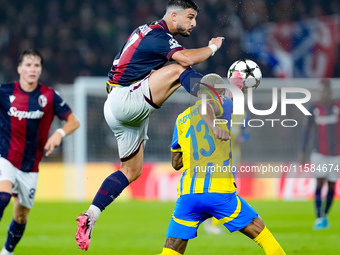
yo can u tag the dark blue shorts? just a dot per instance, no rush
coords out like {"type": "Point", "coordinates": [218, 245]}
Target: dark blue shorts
{"type": "Point", "coordinates": [192, 209]}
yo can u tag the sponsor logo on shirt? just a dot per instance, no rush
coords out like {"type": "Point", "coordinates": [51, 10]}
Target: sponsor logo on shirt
{"type": "Point", "coordinates": [329, 119]}
{"type": "Point", "coordinates": [144, 29]}
{"type": "Point", "coordinates": [13, 111]}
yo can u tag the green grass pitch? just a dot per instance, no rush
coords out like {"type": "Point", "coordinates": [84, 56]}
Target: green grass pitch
{"type": "Point", "coordinates": [137, 227]}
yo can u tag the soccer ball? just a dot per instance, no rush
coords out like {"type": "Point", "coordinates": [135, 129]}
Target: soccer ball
{"type": "Point", "coordinates": [245, 74]}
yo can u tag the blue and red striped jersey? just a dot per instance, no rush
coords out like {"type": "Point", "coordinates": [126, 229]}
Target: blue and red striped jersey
{"type": "Point", "coordinates": [325, 121]}
{"type": "Point", "coordinates": [25, 120]}
{"type": "Point", "coordinates": [148, 48]}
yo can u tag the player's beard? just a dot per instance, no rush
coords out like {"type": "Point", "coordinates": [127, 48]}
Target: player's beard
{"type": "Point", "coordinates": [183, 32]}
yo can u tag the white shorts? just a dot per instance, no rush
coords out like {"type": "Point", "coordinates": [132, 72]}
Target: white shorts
{"type": "Point", "coordinates": [127, 111]}
{"type": "Point", "coordinates": [325, 166]}
{"type": "Point", "coordinates": [24, 183]}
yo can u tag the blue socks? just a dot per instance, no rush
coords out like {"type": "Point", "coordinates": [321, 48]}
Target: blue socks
{"type": "Point", "coordinates": [329, 200]}
{"type": "Point", "coordinates": [318, 202]}
{"type": "Point", "coordinates": [112, 186]}
{"type": "Point", "coordinates": [190, 80]}
{"type": "Point", "coordinates": [4, 200]}
{"type": "Point", "coordinates": [15, 232]}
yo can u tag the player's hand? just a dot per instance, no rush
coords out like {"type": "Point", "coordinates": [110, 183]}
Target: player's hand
{"type": "Point", "coordinates": [217, 41]}
{"type": "Point", "coordinates": [52, 142]}
{"type": "Point", "coordinates": [221, 134]}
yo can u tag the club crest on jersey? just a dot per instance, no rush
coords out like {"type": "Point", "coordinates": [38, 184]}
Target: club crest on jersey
{"type": "Point", "coordinates": [11, 98]}
{"type": "Point", "coordinates": [42, 101]}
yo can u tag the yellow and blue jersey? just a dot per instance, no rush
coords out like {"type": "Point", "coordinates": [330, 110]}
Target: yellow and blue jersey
{"type": "Point", "coordinates": [203, 193]}
{"type": "Point", "coordinates": [207, 160]}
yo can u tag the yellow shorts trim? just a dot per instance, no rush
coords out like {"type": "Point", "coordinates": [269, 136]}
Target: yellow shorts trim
{"type": "Point", "coordinates": [186, 222]}
{"type": "Point", "coordinates": [235, 213]}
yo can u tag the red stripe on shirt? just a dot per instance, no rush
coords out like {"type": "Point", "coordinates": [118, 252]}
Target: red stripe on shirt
{"type": "Point", "coordinates": [44, 125]}
{"type": "Point", "coordinates": [126, 56]}
{"type": "Point", "coordinates": [165, 26]}
{"type": "Point", "coordinates": [173, 51]}
{"type": "Point", "coordinates": [156, 26]}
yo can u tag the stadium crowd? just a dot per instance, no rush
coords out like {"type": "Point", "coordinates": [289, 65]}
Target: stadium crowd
{"type": "Point", "coordinates": [81, 38]}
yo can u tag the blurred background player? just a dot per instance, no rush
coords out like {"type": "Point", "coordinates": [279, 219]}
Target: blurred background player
{"type": "Point", "coordinates": [324, 123]}
{"type": "Point", "coordinates": [135, 93]}
{"type": "Point", "coordinates": [204, 193]}
{"type": "Point", "coordinates": [27, 109]}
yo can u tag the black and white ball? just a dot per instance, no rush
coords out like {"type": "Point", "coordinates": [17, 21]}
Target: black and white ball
{"type": "Point", "coordinates": [245, 74]}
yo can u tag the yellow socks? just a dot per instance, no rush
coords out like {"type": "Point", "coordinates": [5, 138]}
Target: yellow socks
{"type": "Point", "coordinates": [167, 251]}
{"type": "Point", "coordinates": [269, 244]}
{"type": "Point", "coordinates": [265, 240]}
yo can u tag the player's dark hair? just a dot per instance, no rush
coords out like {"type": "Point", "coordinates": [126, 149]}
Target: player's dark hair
{"type": "Point", "coordinates": [185, 4]}
{"type": "Point", "coordinates": [30, 52]}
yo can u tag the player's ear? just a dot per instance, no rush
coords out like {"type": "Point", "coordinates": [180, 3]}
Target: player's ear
{"type": "Point", "coordinates": [19, 69]}
{"type": "Point", "coordinates": [199, 94]}
{"type": "Point", "coordinates": [174, 16]}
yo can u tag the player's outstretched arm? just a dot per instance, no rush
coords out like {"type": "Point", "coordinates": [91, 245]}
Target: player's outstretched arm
{"type": "Point", "coordinates": [191, 57]}
{"type": "Point", "coordinates": [70, 126]}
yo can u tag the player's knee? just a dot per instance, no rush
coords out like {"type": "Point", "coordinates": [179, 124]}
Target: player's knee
{"type": "Point", "coordinates": [21, 217]}
{"type": "Point", "coordinates": [177, 70]}
{"type": "Point", "coordinates": [258, 225]}
{"type": "Point", "coordinates": [137, 173]}
{"type": "Point", "coordinates": [20, 214]}
{"type": "Point", "coordinates": [254, 228]}
{"type": "Point", "coordinates": [132, 173]}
